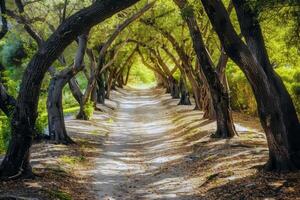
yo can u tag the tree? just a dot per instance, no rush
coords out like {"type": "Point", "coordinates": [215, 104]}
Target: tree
{"type": "Point", "coordinates": [16, 162]}
{"type": "Point", "coordinates": [57, 129]}
{"type": "Point", "coordinates": [276, 111]}
{"type": "Point", "coordinates": [225, 126]}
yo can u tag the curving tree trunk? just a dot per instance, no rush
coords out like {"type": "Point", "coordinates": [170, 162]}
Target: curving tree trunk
{"type": "Point", "coordinates": [16, 161]}
{"type": "Point", "coordinates": [56, 122]}
{"type": "Point", "coordinates": [220, 99]}
{"type": "Point", "coordinates": [276, 111]}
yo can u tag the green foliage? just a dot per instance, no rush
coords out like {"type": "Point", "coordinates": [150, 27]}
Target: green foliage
{"type": "Point", "coordinates": [89, 109]}
{"type": "Point", "coordinates": [242, 98]}
{"type": "Point", "coordinates": [187, 11]}
{"type": "Point", "coordinates": [140, 74]}
{"type": "Point", "coordinates": [12, 52]}
{"type": "Point", "coordinates": [4, 133]}
{"type": "Point", "coordinates": [72, 160]}
{"type": "Point", "coordinates": [291, 78]}
{"type": "Point", "coordinates": [60, 195]}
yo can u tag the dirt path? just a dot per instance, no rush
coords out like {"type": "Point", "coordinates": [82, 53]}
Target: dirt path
{"type": "Point", "coordinates": [144, 146]}
{"type": "Point", "coordinates": [137, 150]}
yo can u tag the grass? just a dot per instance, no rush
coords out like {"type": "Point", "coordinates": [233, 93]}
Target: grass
{"type": "Point", "coordinates": [71, 110]}
{"type": "Point", "coordinates": [72, 160]}
{"type": "Point", "coordinates": [58, 194]}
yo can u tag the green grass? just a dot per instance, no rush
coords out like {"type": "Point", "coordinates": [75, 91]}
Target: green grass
{"type": "Point", "coordinates": [57, 194]}
{"type": "Point", "coordinates": [71, 110]}
{"type": "Point", "coordinates": [72, 160]}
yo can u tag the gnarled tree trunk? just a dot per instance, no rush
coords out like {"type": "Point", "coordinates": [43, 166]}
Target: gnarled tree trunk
{"type": "Point", "coordinates": [56, 122]}
{"type": "Point", "coordinates": [16, 161]}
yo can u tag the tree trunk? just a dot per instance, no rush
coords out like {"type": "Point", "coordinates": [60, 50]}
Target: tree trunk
{"type": "Point", "coordinates": [190, 76]}
{"type": "Point", "coordinates": [185, 96]}
{"type": "Point", "coordinates": [75, 89]}
{"type": "Point", "coordinates": [56, 122]}
{"type": "Point", "coordinates": [16, 161]}
{"type": "Point", "coordinates": [282, 135]}
{"type": "Point", "coordinates": [225, 126]}
{"type": "Point", "coordinates": [174, 88]}
{"type": "Point", "coordinates": [110, 83]}
{"type": "Point", "coordinates": [101, 83]}
{"type": "Point", "coordinates": [251, 30]}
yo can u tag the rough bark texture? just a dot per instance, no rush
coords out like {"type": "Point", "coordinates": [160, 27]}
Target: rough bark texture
{"type": "Point", "coordinates": [56, 122]}
{"type": "Point", "coordinates": [101, 83]}
{"type": "Point", "coordinates": [16, 161]}
{"type": "Point", "coordinates": [283, 136]}
{"type": "Point", "coordinates": [225, 126]}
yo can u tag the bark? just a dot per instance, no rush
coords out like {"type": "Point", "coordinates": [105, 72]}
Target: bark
{"type": "Point", "coordinates": [16, 161]}
{"type": "Point", "coordinates": [101, 83]}
{"type": "Point", "coordinates": [173, 83]}
{"type": "Point", "coordinates": [206, 99]}
{"type": "Point", "coordinates": [110, 82]}
{"type": "Point", "coordinates": [190, 76]}
{"type": "Point", "coordinates": [174, 88]}
{"type": "Point", "coordinates": [75, 89]}
{"type": "Point", "coordinates": [90, 93]}
{"type": "Point", "coordinates": [185, 96]}
{"type": "Point", "coordinates": [282, 135]}
{"type": "Point", "coordinates": [56, 122]}
{"type": "Point", "coordinates": [128, 65]}
{"type": "Point", "coordinates": [252, 32]}
{"type": "Point", "coordinates": [225, 126]}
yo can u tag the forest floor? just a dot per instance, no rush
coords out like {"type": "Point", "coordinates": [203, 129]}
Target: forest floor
{"type": "Point", "coordinates": [144, 146]}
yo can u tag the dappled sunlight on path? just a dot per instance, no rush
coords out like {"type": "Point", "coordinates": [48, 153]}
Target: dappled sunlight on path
{"type": "Point", "coordinates": [140, 145]}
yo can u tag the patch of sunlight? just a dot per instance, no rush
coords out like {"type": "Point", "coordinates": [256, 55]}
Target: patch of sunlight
{"type": "Point", "coordinates": [71, 110]}
{"type": "Point", "coordinates": [243, 129]}
{"type": "Point", "coordinates": [110, 120]}
{"type": "Point", "coordinates": [164, 159]}
{"type": "Point", "coordinates": [142, 86]}
{"type": "Point", "coordinates": [170, 188]}
{"type": "Point", "coordinates": [72, 160]}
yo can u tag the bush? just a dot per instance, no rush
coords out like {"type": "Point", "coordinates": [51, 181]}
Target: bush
{"type": "Point", "coordinates": [242, 98]}
{"type": "Point", "coordinates": [4, 133]}
{"type": "Point", "coordinates": [89, 109]}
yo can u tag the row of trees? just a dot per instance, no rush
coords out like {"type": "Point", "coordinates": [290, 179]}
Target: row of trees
{"type": "Point", "coordinates": [203, 39]}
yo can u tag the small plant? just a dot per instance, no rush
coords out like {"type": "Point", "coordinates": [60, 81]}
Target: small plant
{"type": "Point", "coordinates": [72, 160]}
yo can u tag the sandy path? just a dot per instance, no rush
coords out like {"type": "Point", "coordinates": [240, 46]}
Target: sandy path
{"type": "Point", "coordinates": [138, 147]}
